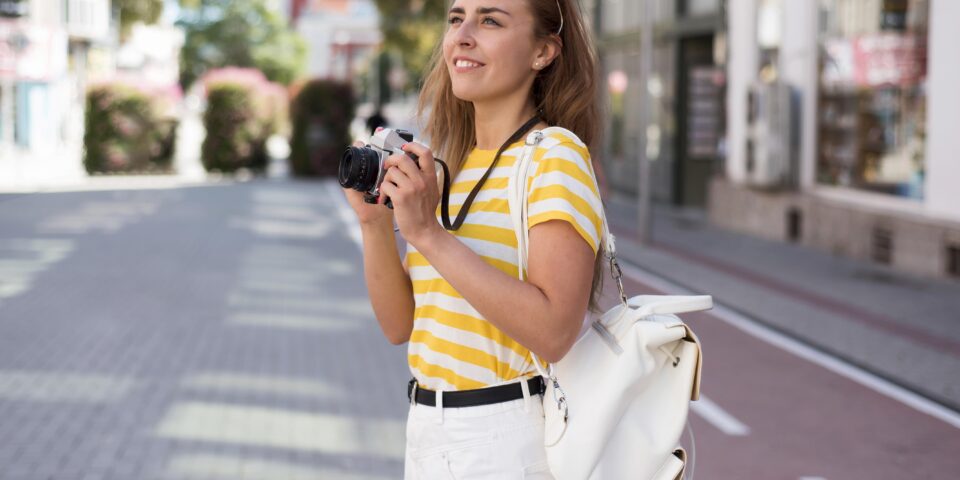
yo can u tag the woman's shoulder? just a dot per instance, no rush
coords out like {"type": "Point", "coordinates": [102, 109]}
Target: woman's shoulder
{"type": "Point", "coordinates": [557, 135]}
{"type": "Point", "coordinates": [560, 143]}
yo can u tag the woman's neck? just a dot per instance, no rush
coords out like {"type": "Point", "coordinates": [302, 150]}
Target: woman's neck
{"type": "Point", "coordinates": [495, 122]}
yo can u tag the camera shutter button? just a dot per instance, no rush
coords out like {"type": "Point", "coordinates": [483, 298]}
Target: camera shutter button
{"type": "Point", "coordinates": [405, 135]}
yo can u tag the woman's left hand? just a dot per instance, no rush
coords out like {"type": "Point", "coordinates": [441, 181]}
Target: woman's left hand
{"type": "Point", "coordinates": [412, 187]}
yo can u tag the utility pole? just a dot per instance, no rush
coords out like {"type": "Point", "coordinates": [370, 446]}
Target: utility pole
{"type": "Point", "coordinates": [644, 215]}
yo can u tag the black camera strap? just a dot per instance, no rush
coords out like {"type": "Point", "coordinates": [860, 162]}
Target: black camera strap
{"type": "Point", "coordinates": [445, 198]}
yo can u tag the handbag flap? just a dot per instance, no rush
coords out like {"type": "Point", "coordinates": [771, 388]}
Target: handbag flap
{"type": "Point", "coordinates": [692, 337]}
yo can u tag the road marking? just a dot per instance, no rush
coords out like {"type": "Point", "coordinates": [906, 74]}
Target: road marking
{"type": "Point", "coordinates": [284, 429]}
{"type": "Point", "coordinates": [344, 211]}
{"type": "Point", "coordinates": [719, 418]}
{"type": "Point", "coordinates": [23, 259]}
{"type": "Point", "coordinates": [812, 478]}
{"type": "Point", "coordinates": [766, 334]}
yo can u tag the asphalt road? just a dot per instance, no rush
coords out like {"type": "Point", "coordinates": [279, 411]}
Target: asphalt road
{"type": "Point", "coordinates": [223, 332]}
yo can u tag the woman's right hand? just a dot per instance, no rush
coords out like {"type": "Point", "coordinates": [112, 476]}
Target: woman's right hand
{"type": "Point", "coordinates": [368, 213]}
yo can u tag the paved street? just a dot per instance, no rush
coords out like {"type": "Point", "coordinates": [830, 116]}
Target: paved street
{"type": "Point", "coordinates": [222, 331]}
{"type": "Point", "coordinates": [216, 332]}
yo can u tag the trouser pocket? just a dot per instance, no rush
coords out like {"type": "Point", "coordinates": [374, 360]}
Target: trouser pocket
{"type": "Point", "coordinates": [475, 461]}
{"type": "Point", "coordinates": [537, 471]}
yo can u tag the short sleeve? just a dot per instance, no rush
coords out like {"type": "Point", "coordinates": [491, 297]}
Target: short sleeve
{"type": "Point", "coordinates": [564, 188]}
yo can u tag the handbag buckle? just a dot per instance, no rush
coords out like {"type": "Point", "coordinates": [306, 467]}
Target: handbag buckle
{"type": "Point", "coordinates": [561, 399]}
{"type": "Point", "coordinates": [617, 274]}
{"type": "Point", "coordinates": [534, 138]}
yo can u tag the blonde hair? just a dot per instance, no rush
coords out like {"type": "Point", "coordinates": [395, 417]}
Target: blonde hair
{"type": "Point", "coordinates": [565, 92]}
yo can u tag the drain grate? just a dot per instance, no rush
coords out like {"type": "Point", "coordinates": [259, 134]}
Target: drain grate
{"type": "Point", "coordinates": [953, 261]}
{"type": "Point", "coordinates": [794, 224]}
{"type": "Point", "coordinates": [882, 245]}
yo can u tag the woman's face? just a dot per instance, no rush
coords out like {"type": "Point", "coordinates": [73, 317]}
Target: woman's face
{"type": "Point", "coordinates": [489, 48]}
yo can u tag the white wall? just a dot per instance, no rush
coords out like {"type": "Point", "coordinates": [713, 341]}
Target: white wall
{"type": "Point", "coordinates": [798, 68]}
{"type": "Point", "coordinates": [741, 71]}
{"type": "Point", "coordinates": [943, 111]}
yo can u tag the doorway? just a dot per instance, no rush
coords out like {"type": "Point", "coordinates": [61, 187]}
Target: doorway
{"type": "Point", "coordinates": [699, 117]}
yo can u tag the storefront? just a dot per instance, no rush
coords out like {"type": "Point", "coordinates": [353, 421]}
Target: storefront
{"type": "Point", "coordinates": [681, 131]}
{"type": "Point", "coordinates": [857, 101]}
{"type": "Point", "coordinates": [872, 96]}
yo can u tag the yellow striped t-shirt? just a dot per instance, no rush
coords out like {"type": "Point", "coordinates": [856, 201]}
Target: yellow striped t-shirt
{"type": "Point", "coordinates": [452, 347]}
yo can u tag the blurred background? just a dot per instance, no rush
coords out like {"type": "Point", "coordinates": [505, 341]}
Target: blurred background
{"type": "Point", "coordinates": [180, 285]}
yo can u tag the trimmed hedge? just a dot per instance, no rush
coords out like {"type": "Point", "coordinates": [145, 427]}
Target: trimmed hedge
{"type": "Point", "coordinates": [125, 133]}
{"type": "Point", "coordinates": [243, 111]}
{"type": "Point", "coordinates": [321, 112]}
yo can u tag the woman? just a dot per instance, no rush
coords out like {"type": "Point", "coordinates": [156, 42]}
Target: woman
{"type": "Point", "coordinates": [505, 67]}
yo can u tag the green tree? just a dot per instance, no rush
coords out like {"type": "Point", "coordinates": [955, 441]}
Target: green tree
{"type": "Point", "coordinates": [411, 30]}
{"type": "Point", "coordinates": [133, 11]}
{"type": "Point", "coordinates": [239, 33]}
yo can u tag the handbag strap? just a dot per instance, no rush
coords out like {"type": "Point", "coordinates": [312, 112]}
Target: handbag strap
{"type": "Point", "coordinates": [519, 214]}
{"type": "Point", "coordinates": [519, 207]}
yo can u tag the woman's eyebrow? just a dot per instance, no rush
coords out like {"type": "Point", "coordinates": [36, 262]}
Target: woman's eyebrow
{"type": "Point", "coordinates": [481, 10]}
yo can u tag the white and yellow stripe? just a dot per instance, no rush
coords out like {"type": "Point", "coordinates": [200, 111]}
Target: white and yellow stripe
{"type": "Point", "coordinates": [452, 346]}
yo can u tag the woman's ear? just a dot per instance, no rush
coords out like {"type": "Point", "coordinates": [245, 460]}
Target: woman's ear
{"type": "Point", "coordinates": [547, 52]}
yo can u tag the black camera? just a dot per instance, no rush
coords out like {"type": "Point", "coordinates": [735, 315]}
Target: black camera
{"type": "Point", "coordinates": [361, 168]}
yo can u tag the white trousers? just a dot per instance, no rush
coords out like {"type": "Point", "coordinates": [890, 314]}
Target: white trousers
{"type": "Point", "coordinates": [502, 441]}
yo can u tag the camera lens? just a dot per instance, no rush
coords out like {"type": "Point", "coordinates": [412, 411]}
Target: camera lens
{"type": "Point", "coordinates": [359, 168]}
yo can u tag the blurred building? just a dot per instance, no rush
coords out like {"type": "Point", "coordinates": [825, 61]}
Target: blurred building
{"type": "Point", "coordinates": [842, 129]}
{"type": "Point", "coordinates": [340, 34]}
{"type": "Point", "coordinates": [48, 50]}
{"type": "Point", "coordinates": [828, 123]}
{"type": "Point", "coordinates": [684, 88]}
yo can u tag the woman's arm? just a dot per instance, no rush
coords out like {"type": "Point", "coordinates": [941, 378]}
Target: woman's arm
{"type": "Point", "coordinates": [545, 312]}
{"type": "Point", "coordinates": [389, 287]}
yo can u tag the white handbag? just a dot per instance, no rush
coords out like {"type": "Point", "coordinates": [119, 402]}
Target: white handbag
{"type": "Point", "coordinates": [617, 403]}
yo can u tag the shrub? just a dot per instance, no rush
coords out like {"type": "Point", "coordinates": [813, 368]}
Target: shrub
{"type": "Point", "coordinates": [321, 112]}
{"type": "Point", "coordinates": [243, 111]}
{"type": "Point", "coordinates": [124, 131]}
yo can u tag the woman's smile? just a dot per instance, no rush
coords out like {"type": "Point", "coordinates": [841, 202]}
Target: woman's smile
{"type": "Point", "coordinates": [466, 65]}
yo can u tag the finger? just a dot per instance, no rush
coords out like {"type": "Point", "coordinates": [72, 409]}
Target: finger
{"type": "Point", "coordinates": [425, 155]}
{"type": "Point", "coordinates": [387, 190]}
{"type": "Point", "coordinates": [358, 143]}
{"type": "Point", "coordinates": [404, 163]}
{"type": "Point", "coordinates": [398, 177]}
{"type": "Point", "coordinates": [394, 160]}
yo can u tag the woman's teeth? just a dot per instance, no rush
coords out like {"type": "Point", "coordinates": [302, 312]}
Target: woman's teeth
{"type": "Point", "coordinates": [466, 64]}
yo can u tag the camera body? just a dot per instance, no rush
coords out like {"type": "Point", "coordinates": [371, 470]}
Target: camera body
{"type": "Point", "coordinates": [362, 168]}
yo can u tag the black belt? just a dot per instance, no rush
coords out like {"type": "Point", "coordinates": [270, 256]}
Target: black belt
{"type": "Point", "coordinates": [480, 396]}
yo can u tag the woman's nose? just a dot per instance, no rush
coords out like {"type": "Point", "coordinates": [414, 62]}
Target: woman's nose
{"type": "Point", "coordinates": [463, 35]}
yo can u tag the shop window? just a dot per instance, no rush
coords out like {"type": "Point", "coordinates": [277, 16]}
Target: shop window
{"type": "Point", "coordinates": [872, 106]}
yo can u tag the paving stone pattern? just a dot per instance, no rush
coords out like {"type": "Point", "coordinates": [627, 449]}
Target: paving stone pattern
{"type": "Point", "coordinates": [214, 332]}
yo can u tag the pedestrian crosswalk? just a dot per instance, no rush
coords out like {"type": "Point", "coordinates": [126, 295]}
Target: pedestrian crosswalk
{"type": "Point", "coordinates": [22, 260]}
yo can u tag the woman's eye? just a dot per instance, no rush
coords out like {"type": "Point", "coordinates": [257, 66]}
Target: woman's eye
{"type": "Point", "coordinates": [485, 20]}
